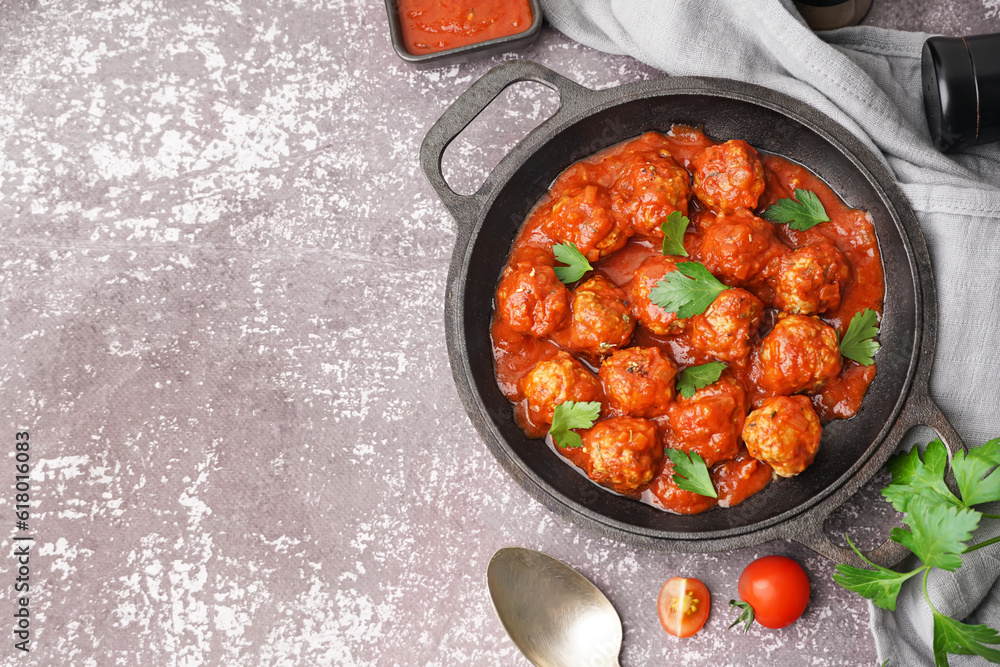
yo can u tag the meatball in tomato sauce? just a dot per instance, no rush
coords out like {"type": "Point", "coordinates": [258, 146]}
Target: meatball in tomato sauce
{"type": "Point", "coordinates": [799, 356]}
{"type": "Point", "coordinates": [728, 176]}
{"type": "Point", "coordinates": [739, 247]}
{"type": "Point", "coordinates": [810, 279]}
{"type": "Point", "coordinates": [638, 381]}
{"type": "Point", "coordinates": [726, 328]}
{"type": "Point", "coordinates": [784, 432]}
{"type": "Point", "coordinates": [622, 453]}
{"type": "Point", "coordinates": [585, 219]}
{"type": "Point", "coordinates": [532, 300]}
{"type": "Point", "coordinates": [709, 422]}
{"type": "Point", "coordinates": [553, 344]}
{"type": "Point", "coordinates": [654, 318]}
{"type": "Point", "coordinates": [671, 497]}
{"type": "Point", "coordinates": [600, 318]}
{"type": "Point", "coordinates": [651, 187]}
{"type": "Point", "coordinates": [556, 381]}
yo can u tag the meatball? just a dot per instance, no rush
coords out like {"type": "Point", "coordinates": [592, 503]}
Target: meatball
{"type": "Point", "coordinates": [728, 176]}
{"type": "Point", "coordinates": [738, 247]}
{"type": "Point", "coordinates": [675, 499]}
{"type": "Point", "coordinates": [725, 329]}
{"type": "Point", "coordinates": [600, 318]}
{"type": "Point", "coordinates": [654, 318]}
{"type": "Point", "coordinates": [810, 279]}
{"type": "Point", "coordinates": [709, 422]}
{"type": "Point", "coordinates": [532, 300]}
{"type": "Point", "coordinates": [651, 187]}
{"type": "Point", "coordinates": [638, 381]}
{"type": "Point", "coordinates": [556, 381]}
{"type": "Point", "coordinates": [799, 356]}
{"type": "Point", "coordinates": [622, 453]}
{"type": "Point", "coordinates": [585, 219]}
{"type": "Point", "coordinates": [739, 478]}
{"type": "Point", "coordinates": [784, 432]}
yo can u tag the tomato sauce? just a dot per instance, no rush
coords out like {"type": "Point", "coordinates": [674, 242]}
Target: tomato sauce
{"type": "Point", "coordinates": [850, 231]}
{"type": "Point", "coordinates": [430, 26]}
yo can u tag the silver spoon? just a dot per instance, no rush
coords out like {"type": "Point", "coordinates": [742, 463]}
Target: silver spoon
{"type": "Point", "coordinates": [552, 612]}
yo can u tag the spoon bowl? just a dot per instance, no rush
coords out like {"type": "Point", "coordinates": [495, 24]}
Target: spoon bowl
{"type": "Point", "coordinates": [552, 613]}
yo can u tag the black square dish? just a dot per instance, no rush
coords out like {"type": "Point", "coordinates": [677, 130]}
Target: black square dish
{"type": "Point", "coordinates": [462, 54]}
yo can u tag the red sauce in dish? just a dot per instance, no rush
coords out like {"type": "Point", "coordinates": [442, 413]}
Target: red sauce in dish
{"type": "Point", "coordinates": [437, 25]}
{"type": "Point", "coordinates": [791, 293]}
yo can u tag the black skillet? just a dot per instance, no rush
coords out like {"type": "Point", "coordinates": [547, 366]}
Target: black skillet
{"type": "Point", "coordinates": [851, 451]}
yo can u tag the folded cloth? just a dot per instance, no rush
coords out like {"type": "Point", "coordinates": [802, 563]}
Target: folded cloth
{"type": "Point", "coordinates": [867, 79]}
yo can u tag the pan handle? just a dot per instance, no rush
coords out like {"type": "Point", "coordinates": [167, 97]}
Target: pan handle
{"type": "Point", "coordinates": [920, 410]}
{"type": "Point", "coordinates": [466, 208]}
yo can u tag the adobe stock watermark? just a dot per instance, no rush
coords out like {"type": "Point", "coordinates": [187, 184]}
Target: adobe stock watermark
{"type": "Point", "coordinates": [22, 541]}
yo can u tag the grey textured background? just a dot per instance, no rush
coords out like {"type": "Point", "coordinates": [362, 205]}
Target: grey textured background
{"type": "Point", "coordinates": [221, 293]}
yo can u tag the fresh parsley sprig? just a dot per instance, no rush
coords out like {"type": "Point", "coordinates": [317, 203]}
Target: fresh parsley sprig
{"type": "Point", "coordinates": [693, 378]}
{"type": "Point", "coordinates": [690, 472]}
{"type": "Point", "coordinates": [673, 230]}
{"type": "Point", "coordinates": [939, 527]}
{"type": "Point", "coordinates": [576, 263]}
{"type": "Point", "coordinates": [688, 291]}
{"type": "Point", "coordinates": [970, 470]}
{"type": "Point", "coordinates": [800, 215]}
{"type": "Point", "coordinates": [858, 342]}
{"type": "Point", "coordinates": [569, 415]}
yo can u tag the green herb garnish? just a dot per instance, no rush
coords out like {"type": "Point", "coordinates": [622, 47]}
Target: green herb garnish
{"type": "Point", "coordinates": [693, 378]}
{"type": "Point", "coordinates": [939, 527]}
{"type": "Point", "coordinates": [800, 215]}
{"type": "Point", "coordinates": [673, 234]}
{"type": "Point", "coordinates": [690, 472]}
{"type": "Point", "coordinates": [970, 470]}
{"type": "Point", "coordinates": [881, 586]}
{"type": "Point", "coordinates": [569, 415]}
{"type": "Point", "coordinates": [951, 636]}
{"type": "Point", "coordinates": [858, 343]}
{"type": "Point", "coordinates": [688, 291]}
{"type": "Point", "coordinates": [576, 263]}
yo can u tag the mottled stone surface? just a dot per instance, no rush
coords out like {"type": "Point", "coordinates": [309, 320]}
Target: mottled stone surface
{"type": "Point", "coordinates": [221, 294]}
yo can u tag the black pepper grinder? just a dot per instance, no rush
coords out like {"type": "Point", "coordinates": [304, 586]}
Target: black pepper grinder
{"type": "Point", "coordinates": [962, 90]}
{"type": "Point", "coordinates": [831, 14]}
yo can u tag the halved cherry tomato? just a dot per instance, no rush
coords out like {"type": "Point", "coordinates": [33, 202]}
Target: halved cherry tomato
{"type": "Point", "coordinates": [683, 606]}
{"type": "Point", "coordinates": [778, 590]}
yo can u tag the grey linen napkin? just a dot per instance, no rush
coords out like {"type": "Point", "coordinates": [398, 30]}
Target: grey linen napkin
{"type": "Point", "coordinates": [868, 79]}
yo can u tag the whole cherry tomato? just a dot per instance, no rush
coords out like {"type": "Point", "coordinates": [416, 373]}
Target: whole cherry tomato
{"type": "Point", "coordinates": [683, 606]}
{"type": "Point", "coordinates": [777, 590]}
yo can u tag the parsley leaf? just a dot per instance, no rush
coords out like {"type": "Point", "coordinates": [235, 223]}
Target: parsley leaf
{"type": "Point", "coordinates": [800, 215]}
{"type": "Point", "coordinates": [673, 234]}
{"type": "Point", "coordinates": [577, 264]}
{"type": "Point", "coordinates": [951, 636]}
{"type": "Point", "coordinates": [693, 378]}
{"type": "Point", "coordinates": [937, 533]}
{"type": "Point", "coordinates": [745, 617]}
{"type": "Point", "coordinates": [970, 468]}
{"type": "Point", "coordinates": [688, 291]}
{"type": "Point", "coordinates": [913, 478]}
{"type": "Point", "coordinates": [690, 473]}
{"type": "Point", "coordinates": [939, 529]}
{"type": "Point", "coordinates": [880, 585]}
{"type": "Point", "coordinates": [569, 415]}
{"type": "Point", "coordinates": [858, 343]}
